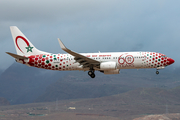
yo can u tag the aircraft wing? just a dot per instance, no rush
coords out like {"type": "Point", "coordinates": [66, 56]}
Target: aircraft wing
{"type": "Point", "coordinates": [83, 60]}
{"type": "Point", "coordinates": [16, 56]}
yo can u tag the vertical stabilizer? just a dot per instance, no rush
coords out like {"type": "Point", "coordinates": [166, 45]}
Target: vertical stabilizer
{"type": "Point", "coordinates": [22, 44]}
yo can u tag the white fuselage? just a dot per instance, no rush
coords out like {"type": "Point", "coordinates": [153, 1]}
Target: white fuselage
{"type": "Point", "coordinates": [123, 60]}
{"type": "Point", "coordinates": [108, 63]}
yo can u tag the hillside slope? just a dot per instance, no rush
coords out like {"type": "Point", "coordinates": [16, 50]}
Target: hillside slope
{"type": "Point", "coordinates": [4, 101]}
{"type": "Point", "coordinates": [133, 103]}
{"type": "Point", "coordinates": [22, 84]}
{"type": "Point", "coordinates": [79, 85]}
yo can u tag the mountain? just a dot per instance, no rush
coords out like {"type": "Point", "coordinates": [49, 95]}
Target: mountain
{"type": "Point", "coordinates": [131, 104]}
{"type": "Point", "coordinates": [4, 101]}
{"type": "Point", "coordinates": [77, 84]}
{"type": "Point", "coordinates": [140, 96]}
{"type": "Point", "coordinates": [22, 84]}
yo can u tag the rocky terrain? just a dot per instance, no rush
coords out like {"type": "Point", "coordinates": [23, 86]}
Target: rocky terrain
{"type": "Point", "coordinates": [172, 116]}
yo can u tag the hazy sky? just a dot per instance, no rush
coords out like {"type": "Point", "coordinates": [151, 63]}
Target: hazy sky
{"type": "Point", "coordinates": [92, 26]}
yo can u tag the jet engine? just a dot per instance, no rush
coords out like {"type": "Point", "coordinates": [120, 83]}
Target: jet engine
{"type": "Point", "coordinates": [108, 66]}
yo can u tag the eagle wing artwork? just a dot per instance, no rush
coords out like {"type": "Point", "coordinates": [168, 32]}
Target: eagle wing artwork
{"type": "Point", "coordinates": [107, 62]}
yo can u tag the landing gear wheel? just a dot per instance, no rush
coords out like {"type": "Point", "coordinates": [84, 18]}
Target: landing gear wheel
{"type": "Point", "coordinates": [157, 72]}
{"type": "Point", "coordinates": [91, 74]}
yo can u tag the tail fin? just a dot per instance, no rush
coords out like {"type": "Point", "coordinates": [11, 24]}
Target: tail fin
{"type": "Point", "coordinates": [22, 44]}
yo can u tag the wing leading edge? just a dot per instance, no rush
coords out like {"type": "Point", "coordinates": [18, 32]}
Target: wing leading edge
{"type": "Point", "coordinates": [83, 60]}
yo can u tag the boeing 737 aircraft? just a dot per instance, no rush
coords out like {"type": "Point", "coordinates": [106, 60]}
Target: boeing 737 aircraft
{"type": "Point", "coordinates": [107, 62]}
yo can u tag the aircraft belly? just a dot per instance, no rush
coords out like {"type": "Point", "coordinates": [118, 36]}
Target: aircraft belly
{"type": "Point", "coordinates": [138, 63]}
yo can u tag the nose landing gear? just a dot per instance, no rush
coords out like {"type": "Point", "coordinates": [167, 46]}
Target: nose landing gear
{"type": "Point", "coordinates": [157, 72]}
{"type": "Point", "coordinates": [91, 74]}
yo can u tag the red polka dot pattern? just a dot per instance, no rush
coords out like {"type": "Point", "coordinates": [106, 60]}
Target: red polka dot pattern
{"type": "Point", "coordinates": [154, 60]}
{"type": "Point", "coordinates": [51, 61]}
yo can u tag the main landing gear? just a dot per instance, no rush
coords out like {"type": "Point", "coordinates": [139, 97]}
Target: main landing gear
{"type": "Point", "coordinates": [91, 74]}
{"type": "Point", "coordinates": [157, 72]}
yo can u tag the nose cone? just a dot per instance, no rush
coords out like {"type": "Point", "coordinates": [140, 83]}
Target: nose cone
{"type": "Point", "coordinates": [170, 61]}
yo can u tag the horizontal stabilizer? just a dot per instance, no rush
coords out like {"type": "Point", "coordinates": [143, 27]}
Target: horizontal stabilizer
{"type": "Point", "coordinates": [16, 56]}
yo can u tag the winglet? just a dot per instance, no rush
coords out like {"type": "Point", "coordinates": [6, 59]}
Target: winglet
{"type": "Point", "coordinates": [62, 45]}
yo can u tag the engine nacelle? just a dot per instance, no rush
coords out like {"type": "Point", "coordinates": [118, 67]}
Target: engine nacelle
{"type": "Point", "coordinates": [112, 71]}
{"type": "Point", "coordinates": [108, 66]}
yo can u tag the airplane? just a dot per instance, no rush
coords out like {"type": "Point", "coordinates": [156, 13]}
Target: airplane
{"type": "Point", "coordinates": [105, 62]}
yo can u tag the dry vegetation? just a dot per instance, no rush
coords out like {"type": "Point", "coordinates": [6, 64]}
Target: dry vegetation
{"type": "Point", "coordinates": [145, 106]}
